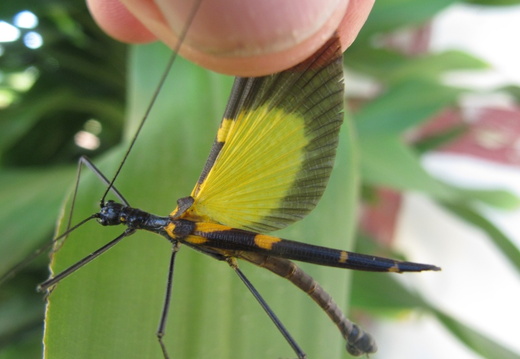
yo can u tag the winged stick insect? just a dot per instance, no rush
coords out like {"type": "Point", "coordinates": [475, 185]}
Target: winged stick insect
{"type": "Point", "coordinates": [275, 147]}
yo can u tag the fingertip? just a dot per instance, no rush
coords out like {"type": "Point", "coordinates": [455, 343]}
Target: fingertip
{"type": "Point", "coordinates": [347, 19]}
{"type": "Point", "coordinates": [262, 64]}
{"type": "Point", "coordinates": [355, 16]}
{"type": "Point", "coordinates": [119, 23]}
{"type": "Point", "coordinates": [240, 38]}
{"type": "Point", "coordinates": [251, 41]}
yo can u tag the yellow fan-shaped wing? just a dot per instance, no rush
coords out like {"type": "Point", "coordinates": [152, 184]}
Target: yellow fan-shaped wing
{"type": "Point", "coordinates": [275, 147]}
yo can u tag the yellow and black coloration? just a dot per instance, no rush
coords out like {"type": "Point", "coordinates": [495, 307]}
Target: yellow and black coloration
{"type": "Point", "coordinates": [268, 168]}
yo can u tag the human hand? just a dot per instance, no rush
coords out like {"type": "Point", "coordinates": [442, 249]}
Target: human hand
{"type": "Point", "coordinates": [236, 37]}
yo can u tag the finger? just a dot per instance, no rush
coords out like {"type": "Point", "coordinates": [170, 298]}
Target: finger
{"type": "Point", "coordinates": [354, 19]}
{"type": "Point", "coordinates": [115, 19]}
{"type": "Point", "coordinates": [240, 37]}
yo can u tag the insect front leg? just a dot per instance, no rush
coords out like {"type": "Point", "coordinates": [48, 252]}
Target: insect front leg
{"type": "Point", "coordinates": [167, 300]}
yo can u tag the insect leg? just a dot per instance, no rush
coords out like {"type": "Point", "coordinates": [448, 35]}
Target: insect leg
{"type": "Point", "coordinates": [358, 342]}
{"type": "Point", "coordinates": [84, 160]}
{"type": "Point", "coordinates": [167, 300]}
{"type": "Point", "coordinates": [62, 237]}
{"type": "Point", "coordinates": [155, 95]}
{"type": "Point", "coordinates": [54, 280]}
{"type": "Point", "coordinates": [299, 352]}
{"type": "Point", "coordinates": [22, 264]}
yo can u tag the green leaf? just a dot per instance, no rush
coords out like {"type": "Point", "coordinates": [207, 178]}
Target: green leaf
{"type": "Point", "coordinates": [392, 14]}
{"type": "Point", "coordinates": [30, 204]}
{"type": "Point", "coordinates": [31, 200]}
{"type": "Point", "coordinates": [391, 67]}
{"type": "Point", "coordinates": [503, 243]}
{"type": "Point", "coordinates": [367, 289]}
{"type": "Point", "coordinates": [21, 315]}
{"type": "Point", "coordinates": [499, 199]}
{"type": "Point", "coordinates": [433, 66]}
{"type": "Point", "coordinates": [434, 141]}
{"type": "Point", "coordinates": [366, 294]}
{"type": "Point", "coordinates": [387, 162]}
{"type": "Point", "coordinates": [111, 307]}
{"type": "Point", "coordinates": [513, 91]}
{"type": "Point", "coordinates": [494, 2]}
{"type": "Point", "coordinates": [480, 343]}
{"type": "Point", "coordinates": [403, 106]}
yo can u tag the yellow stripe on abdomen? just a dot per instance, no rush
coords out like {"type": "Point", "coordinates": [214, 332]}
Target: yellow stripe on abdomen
{"type": "Point", "coordinates": [265, 242]}
{"type": "Point", "coordinates": [197, 240]}
{"type": "Point", "coordinates": [343, 257]}
{"type": "Point", "coordinates": [205, 227]}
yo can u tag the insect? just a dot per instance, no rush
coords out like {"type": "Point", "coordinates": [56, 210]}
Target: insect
{"type": "Point", "coordinates": [268, 167]}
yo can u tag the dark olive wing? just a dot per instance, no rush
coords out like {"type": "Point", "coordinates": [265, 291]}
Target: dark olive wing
{"type": "Point", "coordinates": [275, 147]}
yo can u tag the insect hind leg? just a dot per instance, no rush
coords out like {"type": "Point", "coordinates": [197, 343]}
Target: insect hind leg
{"type": "Point", "coordinates": [290, 340]}
{"type": "Point", "coordinates": [359, 342]}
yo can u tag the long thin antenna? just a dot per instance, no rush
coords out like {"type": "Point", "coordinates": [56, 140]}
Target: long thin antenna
{"type": "Point", "coordinates": [182, 36]}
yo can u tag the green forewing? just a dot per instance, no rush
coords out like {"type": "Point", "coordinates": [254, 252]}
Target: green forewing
{"type": "Point", "coordinates": [275, 148]}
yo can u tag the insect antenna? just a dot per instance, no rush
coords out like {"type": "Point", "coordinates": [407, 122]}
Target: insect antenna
{"type": "Point", "coordinates": [155, 95]}
{"type": "Point", "coordinates": [84, 160]}
{"type": "Point", "coordinates": [69, 228]}
{"type": "Point", "coordinates": [110, 183]}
